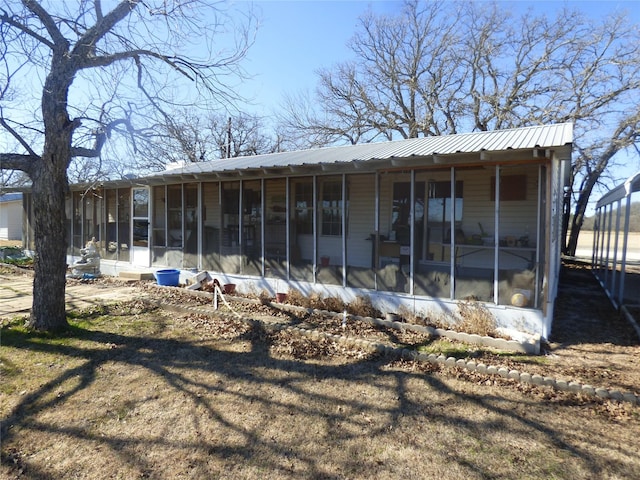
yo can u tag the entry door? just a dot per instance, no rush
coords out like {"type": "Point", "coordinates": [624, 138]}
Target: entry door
{"type": "Point", "coordinates": [140, 255]}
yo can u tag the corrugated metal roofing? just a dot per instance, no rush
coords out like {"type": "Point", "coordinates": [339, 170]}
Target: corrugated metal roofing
{"type": "Point", "coordinates": [544, 136]}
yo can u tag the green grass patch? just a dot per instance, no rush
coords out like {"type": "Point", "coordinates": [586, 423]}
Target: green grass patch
{"type": "Point", "coordinates": [523, 358]}
{"type": "Point", "coordinates": [448, 348]}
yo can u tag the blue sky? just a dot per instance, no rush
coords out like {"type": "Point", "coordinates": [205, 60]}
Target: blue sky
{"type": "Point", "coordinates": [295, 39]}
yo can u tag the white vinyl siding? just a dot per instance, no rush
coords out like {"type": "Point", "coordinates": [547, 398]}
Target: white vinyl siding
{"type": "Point", "coordinates": [361, 217]}
{"type": "Point", "coordinates": [11, 220]}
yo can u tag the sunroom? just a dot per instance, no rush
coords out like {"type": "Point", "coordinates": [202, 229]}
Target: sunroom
{"type": "Point", "coordinates": [419, 224]}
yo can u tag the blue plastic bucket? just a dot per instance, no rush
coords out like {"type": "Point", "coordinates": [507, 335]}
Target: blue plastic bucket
{"type": "Point", "coordinates": [169, 277]}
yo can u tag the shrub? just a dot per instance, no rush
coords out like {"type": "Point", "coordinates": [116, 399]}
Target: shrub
{"type": "Point", "coordinates": [333, 304]}
{"type": "Point", "coordinates": [363, 307]}
{"type": "Point", "coordinates": [476, 318]}
{"type": "Point", "coordinates": [295, 297]}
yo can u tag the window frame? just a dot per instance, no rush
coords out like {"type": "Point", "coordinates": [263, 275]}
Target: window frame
{"type": "Point", "coordinates": [331, 208]}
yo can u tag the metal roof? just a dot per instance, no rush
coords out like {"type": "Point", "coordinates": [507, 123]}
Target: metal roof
{"type": "Point", "coordinates": [544, 136]}
{"type": "Point", "coordinates": [413, 152]}
{"type": "Point", "coordinates": [10, 197]}
{"type": "Point", "coordinates": [632, 184]}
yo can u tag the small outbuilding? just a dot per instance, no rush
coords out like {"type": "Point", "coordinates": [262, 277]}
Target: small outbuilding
{"type": "Point", "coordinates": [11, 216]}
{"type": "Point", "coordinates": [419, 224]}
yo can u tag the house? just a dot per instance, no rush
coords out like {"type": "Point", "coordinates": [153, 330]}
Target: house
{"type": "Point", "coordinates": [11, 216]}
{"type": "Point", "coordinates": [418, 224]}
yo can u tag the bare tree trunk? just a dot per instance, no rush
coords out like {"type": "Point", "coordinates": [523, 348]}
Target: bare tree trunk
{"type": "Point", "coordinates": [576, 223]}
{"type": "Point", "coordinates": [49, 186]}
{"type": "Point", "coordinates": [566, 216]}
{"type": "Point", "coordinates": [581, 206]}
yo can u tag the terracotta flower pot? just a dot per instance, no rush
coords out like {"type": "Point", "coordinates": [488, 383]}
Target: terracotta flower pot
{"type": "Point", "coordinates": [229, 288]}
{"type": "Point", "coordinates": [281, 297]}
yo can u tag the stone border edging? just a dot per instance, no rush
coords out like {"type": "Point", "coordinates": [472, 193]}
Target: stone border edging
{"type": "Point", "coordinates": [408, 354]}
{"type": "Point", "coordinates": [531, 347]}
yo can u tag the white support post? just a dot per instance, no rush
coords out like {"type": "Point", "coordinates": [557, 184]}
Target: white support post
{"type": "Point", "coordinates": [536, 294]}
{"type": "Point", "coordinates": [615, 251]}
{"type": "Point", "coordinates": [412, 216]}
{"type": "Point", "coordinates": [315, 228]}
{"type": "Point", "coordinates": [452, 232]}
{"type": "Point", "coordinates": [623, 265]}
{"type": "Point", "coordinates": [344, 230]}
{"type": "Point", "coordinates": [288, 213]}
{"type": "Point", "coordinates": [496, 248]}
{"type": "Point", "coordinates": [376, 228]}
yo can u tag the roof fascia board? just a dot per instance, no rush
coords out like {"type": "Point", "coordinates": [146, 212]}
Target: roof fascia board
{"type": "Point", "coordinates": [631, 185]}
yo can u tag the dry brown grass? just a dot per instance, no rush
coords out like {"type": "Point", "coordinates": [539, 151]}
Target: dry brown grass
{"type": "Point", "coordinates": [363, 307]}
{"type": "Point", "coordinates": [138, 393]}
{"type": "Point", "coordinates": [475, 318]}
{"type": "Point", "coordinates": [315, 300]}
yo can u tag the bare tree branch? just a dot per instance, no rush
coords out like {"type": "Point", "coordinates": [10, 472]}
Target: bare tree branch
{"type": "Point", "coordinates": [85, 46]}
{"type": "Point", "coordinates": [10, 20]}
{"type": "Point", "coordinates": [16, 161]}
{"type": "Point", "coordinates": [102, 73]}
{"type": "Point", "coordinates": [18, 137]}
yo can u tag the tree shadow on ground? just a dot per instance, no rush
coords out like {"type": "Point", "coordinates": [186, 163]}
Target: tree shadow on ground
{"type": "Point", "coordinates": [233, 398]}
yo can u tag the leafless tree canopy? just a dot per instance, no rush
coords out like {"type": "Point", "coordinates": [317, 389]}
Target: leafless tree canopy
{"type": "Point", "coordinates": [126, 71]}
{"type": "Point", "coordinates": [189, 136]}
{"type": "Point", "coordinates": [74, 74]}
{"type": "Point", "coordinates": [445, 67]}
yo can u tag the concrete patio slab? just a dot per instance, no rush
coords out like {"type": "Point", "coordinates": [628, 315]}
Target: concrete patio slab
{"type": "Point", "coordinates": [16, 295]}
